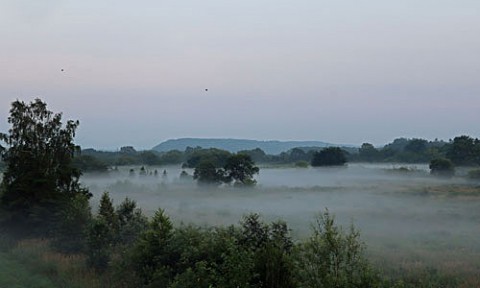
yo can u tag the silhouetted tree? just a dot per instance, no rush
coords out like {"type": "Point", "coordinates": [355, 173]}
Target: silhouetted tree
{"type": "Point", "coordinates": [39, 178]}
{"type": "Point", "coordinates": [206, 173]}
{"type": "Point", "coordinates": [333, 258]}
{"type": "Point", "coordinates": [240, 168]}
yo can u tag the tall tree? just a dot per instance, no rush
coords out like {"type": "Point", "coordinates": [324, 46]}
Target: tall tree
{"type": "Point", "coordinates": [39, 174]}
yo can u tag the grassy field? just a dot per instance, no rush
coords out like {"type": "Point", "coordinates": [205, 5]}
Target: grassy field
{"type": "Point", "coordinates": [15, 273]}
{"type": "Point", "coordinates": [415, 226]}
{"type": "Point", "coordinates": [32, 263]}
{"type": "Point", "coordinates": [421, 230]}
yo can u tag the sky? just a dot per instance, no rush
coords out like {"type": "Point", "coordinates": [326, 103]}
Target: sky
{"type": "Point", "coordinates": [340, 71]}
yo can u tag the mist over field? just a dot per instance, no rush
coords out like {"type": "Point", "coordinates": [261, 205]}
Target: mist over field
{"type": "Point", "coordinates": [401, 215]}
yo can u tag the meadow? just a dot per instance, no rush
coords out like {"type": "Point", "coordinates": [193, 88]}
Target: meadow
{"type": "Point", "coordinates": [412, 223]}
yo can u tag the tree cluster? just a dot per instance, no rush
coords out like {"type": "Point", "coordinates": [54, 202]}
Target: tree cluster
{"type": "Point", "coordinates": [252, 254]}
{"type": "Point", "coordinates": [330, 156]}
{"type": "Point", "coordinates": [238, 168]}
{"type": "Point", "coordinates": [402, 150]}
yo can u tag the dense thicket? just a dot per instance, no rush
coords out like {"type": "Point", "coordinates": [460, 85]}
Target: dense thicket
{"type": "Point", "coordinates": [252, 254]}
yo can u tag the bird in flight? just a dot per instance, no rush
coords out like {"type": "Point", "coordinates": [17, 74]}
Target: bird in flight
{"type": "Point", "coordinates": [206, 90]}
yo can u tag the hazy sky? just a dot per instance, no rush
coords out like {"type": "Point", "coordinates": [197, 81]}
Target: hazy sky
{"type": "Point", "coordinates": [341, 71]}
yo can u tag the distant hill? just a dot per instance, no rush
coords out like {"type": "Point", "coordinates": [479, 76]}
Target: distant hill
{"type": "Point", "coordinates": [235, 145]}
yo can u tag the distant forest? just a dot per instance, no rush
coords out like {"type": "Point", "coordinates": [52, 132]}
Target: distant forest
{"type": "Point", "coordinates": [461, 151]}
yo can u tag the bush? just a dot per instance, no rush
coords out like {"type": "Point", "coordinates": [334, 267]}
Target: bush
{"type": "Point", "coordinates": [333, 258]}
{"type": "Point", "coordinates": [474, 174]}
{"type": "Point", "coordinates": [301, 164]}
{"type": "Point", "coordinates": [442, 167]}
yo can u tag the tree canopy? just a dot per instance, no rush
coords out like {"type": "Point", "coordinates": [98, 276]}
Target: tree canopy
{"type": "Point", "coordinates": [464, 150]}
{"type": "Point", "coordinates": [241, 168]}
{"type": "Point", "coordinates": [39, 174]}
{"type": "Point", "coordinates": [206, 173]}
{"type": "Point", "coordinates": [331, 156]}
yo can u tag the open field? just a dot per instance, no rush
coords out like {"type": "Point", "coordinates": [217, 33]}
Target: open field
{"type": "Point", "coordinates": [409, 220]}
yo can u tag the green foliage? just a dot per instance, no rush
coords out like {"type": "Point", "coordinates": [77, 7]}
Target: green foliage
{"type": "Point", "coordinates": [215, 156]}
{"type": "Point", "coordinates": [131, 222]}
{"type": "Point", "coordinates": [71, 233]}
{"type": "Point", "coordinates": [172, 157]}
{"type": "Point", "coordinates": [331, 156]}
{"type": "Point", "coordinates": [333, 258]}
{"type": "Point", "coordinates": [240, 168]}
{"type": "Point", "coordinates": [412, 150]}
{"type": "Point", "coordinates": [88, 163]}
{"type": "Point", "coordinates": [149, 158]}
{"type": "Point", "coordinates": [106, 212]}
{"type": "Point", "coordinates": [368, 153]}
{"type": "Point", "coordinates": [112, 235]}
{"type": "Point", "coordinates": [99, 244]}
{"type": "Point", "coordinates": [206, 173]}
{"type": "Point", "coordinates": [39, 177]}
{"type": "Point", "coordinates": [152, 259]}
{"type": "Point", "coordinates": [416, 146]}
{"type": "Point", "coordinates": [302, 164]}
{"type": "Point", "coordinates": [102, 235]}
{"type": "Point", "coordinates": [271, 246]}
{"type": "Point", "coordinates": [257, 155]}
{"type": "Point", "coordinates": [113, 231]}
{"type": "Point", "coordinates": [401, 150]}
{"type": "Point", "coordinates": [14, 273]}
{"type": "Point", "coordinates": [297, 154]}
{"type": "Point", "coordinates": [474, 174]}
{"type": "Point", "coordinates": [442, 167]}
{"type": "Point", "coordinates": [464, 151]}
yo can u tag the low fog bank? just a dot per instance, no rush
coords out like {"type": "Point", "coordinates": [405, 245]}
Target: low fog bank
{"type": "Point", "coordinates": [392, 208]}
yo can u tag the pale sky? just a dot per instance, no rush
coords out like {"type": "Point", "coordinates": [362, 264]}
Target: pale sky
{"type": "Point", "coordinates": [340, 71]}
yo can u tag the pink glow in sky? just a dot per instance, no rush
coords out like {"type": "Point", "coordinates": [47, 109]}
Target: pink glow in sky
{"type": "Point", "coordinates": [343, 71]}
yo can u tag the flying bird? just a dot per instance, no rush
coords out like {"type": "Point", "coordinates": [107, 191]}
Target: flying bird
{"type": "Point", "coordinates": [206, 90]}
{"type": "Point", "coordinates": [62, 70]}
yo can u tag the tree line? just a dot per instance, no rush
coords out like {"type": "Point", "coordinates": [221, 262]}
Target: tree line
{"type": "Point", "coordinates": [461, 151]}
